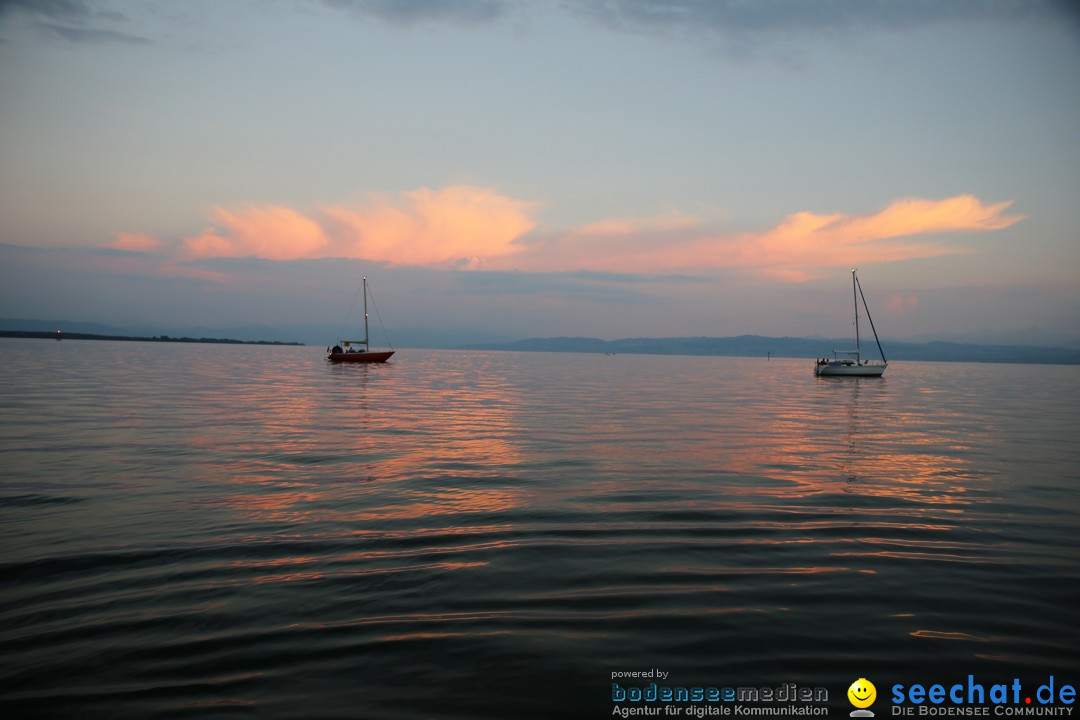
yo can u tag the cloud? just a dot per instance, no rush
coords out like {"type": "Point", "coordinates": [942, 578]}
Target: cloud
{"type": "Point", "coordinates": [410, 12]}
{"type": "Point", "coordinates": [458, 226]}
{"type": "Point", "coordinates": [463, 227]}
{"type": "Point", "coordinates": [807, 240]}
{"type": "Point", "coordinates": [735, 17]}
{"type": "Point", "coordinates": [57, 9]}
{"type": "Point", "coordinates": [914, 216]}
{"type": "Point", "coordinates": [796, 249]}
{"type": "Point", "coordinates": [732, 18]}
{"type": "Point", "coordinates": [901, 304]}
{"type": "Point", "coordinates": [90, 36]}
{"type": "Point", "coordinates": [751, 29]}
{"type": "Point", "coordinates": [136, 242]}
{"type": "Point", "coordinates": [69, 20]}
{"type": "Point", "coordinates": [271, 232]}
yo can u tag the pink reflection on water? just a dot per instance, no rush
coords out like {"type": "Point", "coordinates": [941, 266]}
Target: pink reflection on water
{"type": "Point", "coordinates": [372, 446]}
{"type": "Point", "coordinates": [342, 572]}
{"type": "Point", "coordinates": [767, 456]}
{"type": "Point", "coordinates": [942, 635]}
{"type": "Point", "coordinates": [718, 570]}
{"type": "Point", "coordinates": [353, 456]}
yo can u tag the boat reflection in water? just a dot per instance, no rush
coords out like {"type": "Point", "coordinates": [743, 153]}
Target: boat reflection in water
{"type": "Point", "coordinates": [244, 530]}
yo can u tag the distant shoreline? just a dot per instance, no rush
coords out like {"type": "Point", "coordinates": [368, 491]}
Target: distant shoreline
{"type": "Point", "coordinates": [791, 347]}
{"type": "Point", "coordinates": [44, 335]}
{"type": "Point", "coordinates": [741, 346]}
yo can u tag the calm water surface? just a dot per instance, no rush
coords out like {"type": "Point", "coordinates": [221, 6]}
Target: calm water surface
{"type": "Point", "coordinates": [226, 531]}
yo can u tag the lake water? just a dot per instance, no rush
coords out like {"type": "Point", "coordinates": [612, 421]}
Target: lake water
{"type": "Point", "coordinates": [229, 531]}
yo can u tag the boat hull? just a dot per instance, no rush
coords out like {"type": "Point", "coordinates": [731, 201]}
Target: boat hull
{"type": "Point", "coordinates": [849, 370]}
{"type": "Point", "coordinates": [360, 357]}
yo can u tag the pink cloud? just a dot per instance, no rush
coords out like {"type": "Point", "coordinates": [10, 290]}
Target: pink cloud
{"type": "Point", "coordinates": [470, 228]}
{"type": "Point", "coordinates": [796, 249]}
{"type": "Point", "coordinates": [901, 304]}
{"type": "Point", "coordinates": [136, 242]}
{"type": "Point", "coordinates": [271, 232]}
{"type": "Point", "coordinates": [145, 264]}
{"type": "Point", "coordinates": [454, 227]}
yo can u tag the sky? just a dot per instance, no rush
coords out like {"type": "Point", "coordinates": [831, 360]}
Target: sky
{"type": "Point", "coordinates": [512, 169]}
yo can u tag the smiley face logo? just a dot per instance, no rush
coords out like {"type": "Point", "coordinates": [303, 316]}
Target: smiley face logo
{"type": "Point", "coordinates": [862, 693]}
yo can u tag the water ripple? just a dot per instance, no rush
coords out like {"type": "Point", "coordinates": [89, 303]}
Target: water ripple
{"type": "Point", "coordinates": [201, 531]}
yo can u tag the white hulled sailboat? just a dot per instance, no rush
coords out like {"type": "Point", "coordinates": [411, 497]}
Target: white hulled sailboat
{"type": "Point", "coordinates": [850, 363]}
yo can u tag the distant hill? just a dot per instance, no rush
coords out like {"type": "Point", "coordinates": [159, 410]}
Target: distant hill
{"type": "Point", "coordinates": [40, 335]}
{"type": "Point", "coordinates": [759, 346]}
{"type": "Point", "coordinates": [307, 333]}
{"type": "Point", "coordinates": [71, 328]}
{"type": "Point", "coordinates": [741, 346]}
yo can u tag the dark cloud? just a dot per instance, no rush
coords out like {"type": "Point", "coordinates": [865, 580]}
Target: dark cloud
{"type": "Point", "coordinates": [410, 12]}
{"type": "Point", "coordinates": [741, 29]}
{"type": "Point", "coordinates": [742, 16]}
{"type": "Point", "coordinates": [72, 21]}
{"type": "Point", "coordinates": [724, 16]}
{"type": "Point", "coordinates": [67, 10]}
{"type": "Point", "coordinates": [92, 36]}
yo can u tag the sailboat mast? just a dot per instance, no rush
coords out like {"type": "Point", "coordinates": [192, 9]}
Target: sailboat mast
{"type": "Point", "coordinates": [876, 339]}
{"type": "Point", "coordinates": [366, 344]}
{"type": "Point", "coordinates": [855, 298]}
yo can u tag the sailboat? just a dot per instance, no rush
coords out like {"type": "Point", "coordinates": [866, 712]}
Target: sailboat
{"type": "Point", "coordinates": [852, 363]}
{"type": "Point", "coordinates": [348, 350]}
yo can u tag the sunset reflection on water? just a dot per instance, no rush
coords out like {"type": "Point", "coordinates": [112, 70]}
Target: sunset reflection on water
{"type": "Point", "coordinates": [841, 467]}
{"type": "Point", "coordinates": [264, 518]}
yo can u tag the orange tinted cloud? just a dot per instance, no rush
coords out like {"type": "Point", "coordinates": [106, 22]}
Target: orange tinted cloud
{"type": "Point", "coordinates": [793, 250]}
{"type": "Point", "coordinates": [469, 227]}
{"type": "Point", "coordinates": [809, 240]}
{"type": "Point", "coordinates": [913, 216]}
{"type": "Point", "coordinates": [456, 226]}
{"type": "Point", "coordinates": [902, 304]}
{"type": "Point", "coordinates": [136, 242]}
{"type": "Point", "coordinates": [271, 232]}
